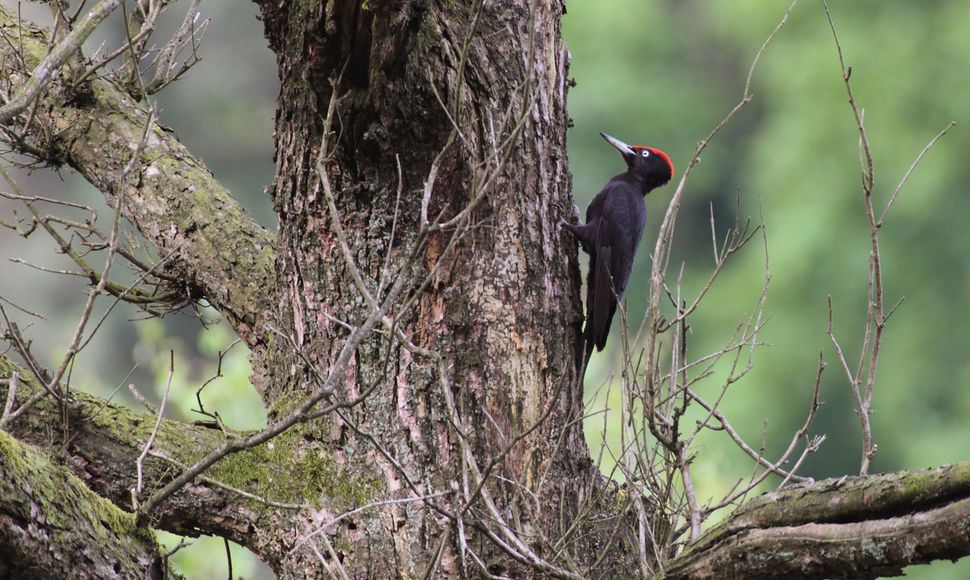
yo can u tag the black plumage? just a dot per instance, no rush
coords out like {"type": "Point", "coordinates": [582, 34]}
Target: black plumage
{"type": "Point", "coordinates": [612, 232]}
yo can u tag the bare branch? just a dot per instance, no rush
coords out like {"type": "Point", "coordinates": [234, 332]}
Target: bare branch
{"type": "Point", "coordinates": [55, 59]}
{"type": "Point", "coordinates": [912, 166]}
{"type": "Point", "coordinates": [136, 491]}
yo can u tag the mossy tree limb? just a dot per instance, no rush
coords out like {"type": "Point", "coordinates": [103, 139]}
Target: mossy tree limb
{"type": "Point", "coordinates": [105, 439]}
{"type": "Point", "coordinates": [53, 526]}
{"type": "Point", "coordinates": [212, 245]}
{"type": "Point", "coordinates": [859, 527]}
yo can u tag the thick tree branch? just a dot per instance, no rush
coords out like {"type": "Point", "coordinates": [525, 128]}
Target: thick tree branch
{"type": "Point", "coordinates": [243, 493]}
{"type": "Point", "coordinates": [52, 526]}
{"type": "Point", "coordinates": [218, 251]}
{"type": "Point", "coordinates": [860, 527]}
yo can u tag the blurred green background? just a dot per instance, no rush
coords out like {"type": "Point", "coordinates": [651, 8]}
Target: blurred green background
{"type": "Point", "coordinates": [664, 73]}
{"type": "Point", "coordinates": [658, 73]}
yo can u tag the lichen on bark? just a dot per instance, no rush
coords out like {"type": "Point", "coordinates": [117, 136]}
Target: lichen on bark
{"type": "Point", "coordinates": [53, 526]}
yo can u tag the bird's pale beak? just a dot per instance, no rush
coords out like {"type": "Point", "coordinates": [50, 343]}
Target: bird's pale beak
{"type": "Point", "coordinates": [620, 146]}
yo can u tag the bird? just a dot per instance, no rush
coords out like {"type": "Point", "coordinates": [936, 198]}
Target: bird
{"type": "Point", "coordinates": [613, 229]}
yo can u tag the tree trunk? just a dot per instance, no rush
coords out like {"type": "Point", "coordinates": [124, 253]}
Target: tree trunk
{"type": "Point", "coordinates": [500, 304]}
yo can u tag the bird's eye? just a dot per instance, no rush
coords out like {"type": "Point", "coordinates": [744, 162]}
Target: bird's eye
{"type": "Point", "coordinates": [645, 153]}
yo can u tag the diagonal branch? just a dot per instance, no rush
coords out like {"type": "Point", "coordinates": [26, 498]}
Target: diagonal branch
{"type": "Point", "coordinates": [47, 69]}
{"type": "Point", "coordinates": [52, 526]}
{"type": "Point", "coordinates": [108, 438]}
{"type": "Point", "coordinates": [218, 251]}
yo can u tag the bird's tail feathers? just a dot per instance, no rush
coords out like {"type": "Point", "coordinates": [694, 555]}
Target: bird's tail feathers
{"type": "Point", "coordinates": [601, 304]}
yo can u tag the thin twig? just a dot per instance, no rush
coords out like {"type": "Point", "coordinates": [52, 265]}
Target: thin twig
{"type": "Point", "coordinates": [139, 463]}
{"type": "Point", "coordinates": [875, 314]}
{"type": "Point", "coordinates": [44, 73]}
{"type": "Point", "coordinates": [12, 385]}
{"type": "Point", "coordinates": [912, 166]}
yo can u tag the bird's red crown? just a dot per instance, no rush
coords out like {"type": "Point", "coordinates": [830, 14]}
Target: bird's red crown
{"type": "Point", "coordinates": [661, 154]}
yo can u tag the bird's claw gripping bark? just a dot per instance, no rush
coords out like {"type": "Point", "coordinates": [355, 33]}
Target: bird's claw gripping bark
{"type": "Point", "coordinates": [573, 218]}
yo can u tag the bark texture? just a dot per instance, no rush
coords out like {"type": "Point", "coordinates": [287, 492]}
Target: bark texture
{"type": "Point", "coordinates": [496, 304]}
{"type": "Point", "coordinates": [53, 526]}
{"type": "Point", "coordinates": [858, 527]}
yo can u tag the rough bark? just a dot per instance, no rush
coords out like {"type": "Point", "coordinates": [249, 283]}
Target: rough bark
{"type": "Point", "coordinates": [53, 526]}
{"type": "Point", "coordinates": [502, 308]}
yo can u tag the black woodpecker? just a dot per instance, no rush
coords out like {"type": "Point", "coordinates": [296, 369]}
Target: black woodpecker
{"type": "Point", "coordinates": [611, 234]}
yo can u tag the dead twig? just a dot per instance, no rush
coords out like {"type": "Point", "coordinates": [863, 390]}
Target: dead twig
{"type": "Point", "coordinates": [139, 463]}
{"type": "Point", "coordinates": [44, 72]}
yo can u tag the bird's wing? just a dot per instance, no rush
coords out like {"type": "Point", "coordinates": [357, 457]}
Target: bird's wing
{"type": "Point", "coordinates": [621, 266]}
{"type": "Point", "coordinates": [619, 224]}
{"type": "Point", "coordinates": [600, 293]}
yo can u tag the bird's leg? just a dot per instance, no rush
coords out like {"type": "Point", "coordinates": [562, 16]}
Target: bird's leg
{"type": "Point", "coordinates": [574, 218]}
{"type": "Point", "coordinates": [559, 209]}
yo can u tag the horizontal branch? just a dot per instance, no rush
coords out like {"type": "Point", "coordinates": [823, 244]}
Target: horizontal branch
{"type": "Point", "coordinates": [860, 527]}
{"type": "Point", "coordinates": [106, 439]}
{"type": "Point", "coordinates": [217, 249]}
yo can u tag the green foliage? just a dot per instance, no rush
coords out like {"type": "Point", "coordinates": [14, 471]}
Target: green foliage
{"type": "Point", "coordinates": [205, 557]}
{"type": "Point", "coordinates": [230, 395]}
{"type": "Point", "coordinates": [663, 73]}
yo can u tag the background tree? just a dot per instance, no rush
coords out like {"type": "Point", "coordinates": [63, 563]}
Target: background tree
{"type": "Point", "coordinates": [432, 340]}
